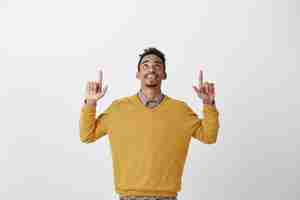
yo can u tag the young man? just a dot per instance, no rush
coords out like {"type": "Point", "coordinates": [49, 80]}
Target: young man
{"type": "Point", "coordinates": [149, 131]}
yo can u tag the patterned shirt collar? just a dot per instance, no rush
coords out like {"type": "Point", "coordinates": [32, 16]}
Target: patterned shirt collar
{"type": "Point", "coordinates": [146, 101]}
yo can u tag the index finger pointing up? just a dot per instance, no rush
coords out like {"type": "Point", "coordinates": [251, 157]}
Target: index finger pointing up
{"type": "Point", "coordinates": [201, 78]}
{"type": "Point", "coordinates": [100, 76]}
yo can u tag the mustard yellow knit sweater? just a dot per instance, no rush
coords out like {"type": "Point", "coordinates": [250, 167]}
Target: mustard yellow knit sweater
{"type": "Point", "coordinates": [148, 146]}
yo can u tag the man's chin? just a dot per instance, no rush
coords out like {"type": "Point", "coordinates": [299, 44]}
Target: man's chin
{"type": "Point", "coordinates": [152, 84]}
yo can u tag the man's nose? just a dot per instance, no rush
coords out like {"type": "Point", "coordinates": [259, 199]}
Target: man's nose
{"type": "Point", "coordinates": [152, 68]}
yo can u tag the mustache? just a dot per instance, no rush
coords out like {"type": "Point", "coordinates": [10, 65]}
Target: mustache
{"type": "Point", "coordinates": [150, 74]}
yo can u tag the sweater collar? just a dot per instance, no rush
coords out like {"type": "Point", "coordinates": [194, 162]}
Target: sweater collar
{"type": "Point", "coordinates": [145, 100]}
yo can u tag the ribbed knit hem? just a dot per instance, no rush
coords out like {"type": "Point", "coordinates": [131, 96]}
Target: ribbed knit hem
{"type": "Point", "coordinates": [210, 107]}
{"type": "Point", "coordinates": [124, 193]}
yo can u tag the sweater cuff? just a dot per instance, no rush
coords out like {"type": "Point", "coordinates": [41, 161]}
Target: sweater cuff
{"type": "Point", "coordinates": [210, 108]}
{"type": "Point", "coordinates": [89, 107]}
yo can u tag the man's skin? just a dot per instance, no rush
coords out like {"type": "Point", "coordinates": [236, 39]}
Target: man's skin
{"type": "Point", "coordinates": [151, 73]}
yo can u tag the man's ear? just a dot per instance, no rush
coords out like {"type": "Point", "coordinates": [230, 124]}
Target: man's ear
{"type": "Point", "coordinates": [137, 75]}
{"type": "Point", "coordinates": [165, 76]}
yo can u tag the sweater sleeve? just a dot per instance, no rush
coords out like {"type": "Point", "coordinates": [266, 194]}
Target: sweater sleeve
{"type": "Point", "coordinates": [91, 127]}
{"type": "Point", "coordinates": [204, 129]}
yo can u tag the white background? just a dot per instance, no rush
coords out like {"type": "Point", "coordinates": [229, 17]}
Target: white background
{"type": "Point", "coordinates": [50, 49]}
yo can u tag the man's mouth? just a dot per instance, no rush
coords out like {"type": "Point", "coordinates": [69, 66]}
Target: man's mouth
{"type": "Point", "coordinates": [151, 76]}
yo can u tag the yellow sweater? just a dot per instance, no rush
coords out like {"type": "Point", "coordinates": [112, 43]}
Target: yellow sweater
{"type": "Point", "coordinates": [148, 146]}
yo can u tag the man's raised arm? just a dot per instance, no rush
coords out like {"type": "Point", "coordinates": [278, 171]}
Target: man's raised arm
{"type": "Point", "coordinates": [92, 128]}
{"type": "Point", "coordinates": [206, 129]}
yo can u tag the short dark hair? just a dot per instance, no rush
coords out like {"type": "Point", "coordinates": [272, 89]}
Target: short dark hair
{"type": "Point", "coordinates": [155, 51]}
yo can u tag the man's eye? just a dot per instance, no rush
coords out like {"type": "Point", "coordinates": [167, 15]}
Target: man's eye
{"type": "Point", "coordinates": [145, 66]}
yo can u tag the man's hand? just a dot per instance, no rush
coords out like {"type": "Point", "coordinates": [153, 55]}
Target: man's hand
{"type": "Point", "coordinates": [94, 90]}
{"type": "Point", "coordinates": [206, 90]}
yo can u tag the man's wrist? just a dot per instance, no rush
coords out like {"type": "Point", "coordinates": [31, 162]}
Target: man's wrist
{"type": "Point", "coordinates": [209, 102]}
{"type": "Point", "coordinates": [90, 102]}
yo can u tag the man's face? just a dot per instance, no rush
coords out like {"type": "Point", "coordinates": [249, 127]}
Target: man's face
{"type": "Point", "coordinates": [151, 71]}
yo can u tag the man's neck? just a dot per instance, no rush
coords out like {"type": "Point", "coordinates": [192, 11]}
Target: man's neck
{"type": "Point", "coordinates": [151, 93]}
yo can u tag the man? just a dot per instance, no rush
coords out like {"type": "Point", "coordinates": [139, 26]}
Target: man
{"type": "Point", "coordinates": [149, 131]}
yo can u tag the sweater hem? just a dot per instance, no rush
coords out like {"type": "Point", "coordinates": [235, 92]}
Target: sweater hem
{"type": "Point", "coordinates": [132, 192]}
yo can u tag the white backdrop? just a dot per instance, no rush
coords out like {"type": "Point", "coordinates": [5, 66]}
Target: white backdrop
{"type": "Point", "coordinates": [50, 49]}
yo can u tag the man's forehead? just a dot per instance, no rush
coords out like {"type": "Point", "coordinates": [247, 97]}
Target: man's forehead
{"type": "Point", "coordinates": [152, 57]}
